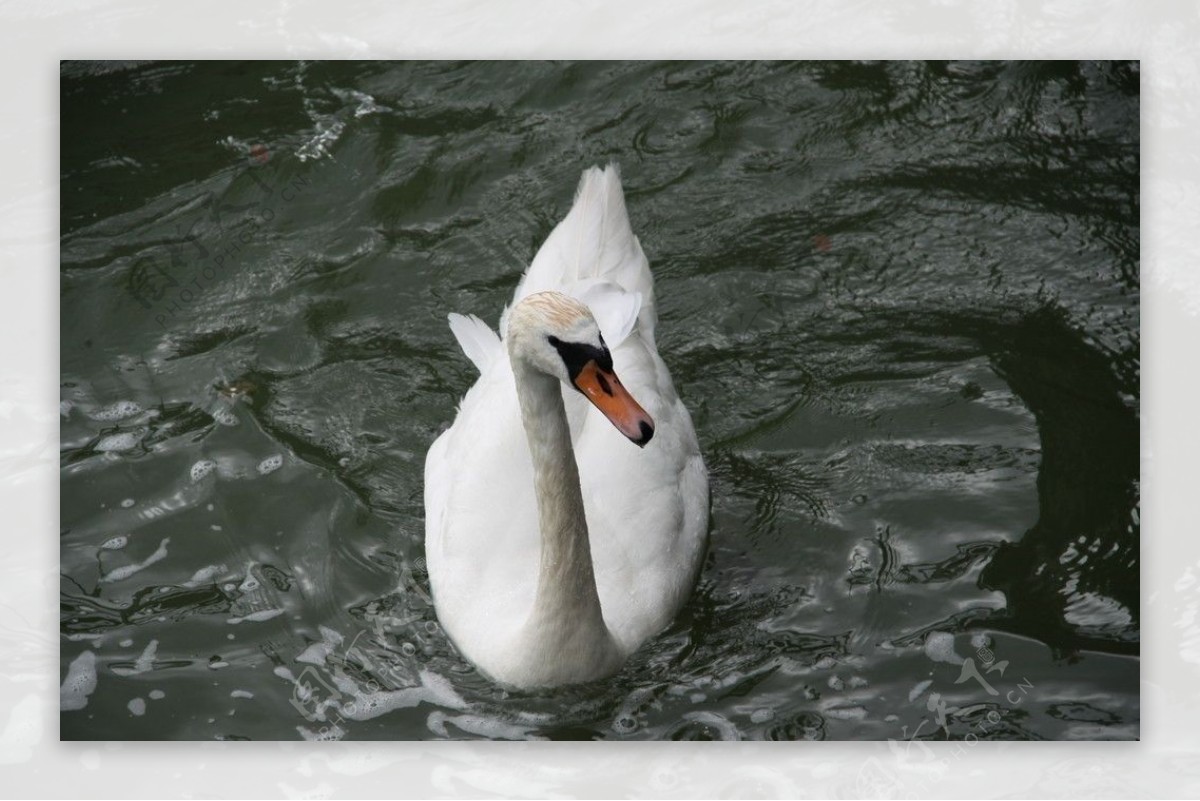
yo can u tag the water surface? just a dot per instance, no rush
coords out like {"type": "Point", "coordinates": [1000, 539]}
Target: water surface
{"type": "Point", "coordinates": [900, 299]}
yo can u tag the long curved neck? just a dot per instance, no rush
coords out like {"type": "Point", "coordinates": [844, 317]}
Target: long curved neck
{"type": "Point", "coordinates": [566, 612]}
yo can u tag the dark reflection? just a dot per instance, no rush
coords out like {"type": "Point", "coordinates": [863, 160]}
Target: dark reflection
{"type": "Point", "coordinates": [1087, 533]}
{"type": "Point", "coordinates": [1071, 580]}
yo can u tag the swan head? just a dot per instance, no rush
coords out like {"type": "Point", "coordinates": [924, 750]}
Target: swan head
{"type": "Point", "coordinates": [557, 335]}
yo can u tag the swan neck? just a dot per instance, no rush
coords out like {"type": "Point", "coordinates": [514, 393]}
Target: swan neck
{"type": "Point", "coordinates": [566, 603]}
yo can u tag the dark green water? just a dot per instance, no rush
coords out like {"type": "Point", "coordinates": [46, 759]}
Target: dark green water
{"type": "Point", "coordinates": [900, 299]}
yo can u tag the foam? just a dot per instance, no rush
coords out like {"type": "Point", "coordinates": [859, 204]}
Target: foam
{"type": "Point", "coordinates": [204, 575]}
{"type": "Point", "coordinates": [137, 706]}
{"type": "Point", "coordinates": [124, 572]}
{"type": "Point", "coordinates": [241, 694]}
{"type": "Point", "coordinates": [270, 464]}
{"type": "Point", "coordinates": [116, 411]}
{"type": "Point", "coordinates": [125, 504]}
{"type": "Point", "coordinates": [918, 690]}
{"type": "Point", "coordinates": [142, 664]}
{"type": "Point", "coordinates": [939, 646]}
{"type": "Point", "coordinates": [491, 728]}
{"type": "Point", "coordinates": [202, 468]}
{"type": "Point", "coordinates": [157, 695]}
{"type": "Point", "coordinates": [118, 442]}
{"type": "Point", "coordinates": [256, 617]}
{"type": "Point", "coordinates": [79, 683]}
{"type": "Point", "coordinates": [115, 543]}
{"type": "Point", "coordinates": [225, 417]}
{"type": "Point", "coordinates": [434, 689]}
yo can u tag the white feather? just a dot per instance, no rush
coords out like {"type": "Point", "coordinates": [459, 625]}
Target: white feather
{"type": "Point", "coordinates": [476, 338]}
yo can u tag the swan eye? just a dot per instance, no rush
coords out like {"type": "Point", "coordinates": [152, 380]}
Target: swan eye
{"type": "Point", "coordinates": [576, 355]}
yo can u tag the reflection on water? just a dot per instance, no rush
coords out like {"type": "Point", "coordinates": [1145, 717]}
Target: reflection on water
{"type": "Point", "coordinates": [900, 299]}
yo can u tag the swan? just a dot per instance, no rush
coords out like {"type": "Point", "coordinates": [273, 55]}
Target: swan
{"type": "Point", "coordinates": [566, 507]}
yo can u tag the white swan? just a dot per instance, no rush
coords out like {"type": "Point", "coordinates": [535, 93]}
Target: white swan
{"type": "Point", "coordinates": [555, 545]}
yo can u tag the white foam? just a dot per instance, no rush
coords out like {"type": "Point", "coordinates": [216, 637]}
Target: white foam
{"type": "Point", "coordinates": [142, 664]}
{"type": "Point", "coordinates": [491, 728]}
{"type": "Point", "coordinates": [118, 442]}
{"type": "Point", "coordinates": [157, 695]}
{"type": "Point", "coordinates": [329, 734]}
{"type": "Point", "coordinates": [256, 617]}
{"type": "Point", "coordinates": [115, 543]}
{"type": "Point", "coordinates": [124, 572]}
{"type": "Point", "coordinates": [137, 706]}
{"type": "Point", "coordinates": [116, 411]}
{"type": "Point", "coordinates": [434, 689]}
{"type": "Point", "coordinates": [125, 643]}
{"type": "Point", "coordinates": [918, 690]}
{"type": "Point", "coordinates": [241, 694]}
{"type": "Point", "coordinates": [204, 575]}
{"type": "Point", "coordinates": [125, 504]}
{"type": "Point", "coordinates": [79, 683]}
{"type": "Point", "coordinates": [846, 713]}
{"type": "Point", "coordinates": [202, 468]}
{"type": "Point", "coordinates": [939, 646]}
{"type": "Point", "coordinates": [225, 417]}
{"type": "Point", "coordinates": [270, 464]}
{"type": "Point", "coordinates": [64, 408]}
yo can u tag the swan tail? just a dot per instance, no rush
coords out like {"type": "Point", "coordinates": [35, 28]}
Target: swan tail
{"type": "Point", "coordinates": [477, 340]}
{"type": "Point", "coordinates": [594, 256]}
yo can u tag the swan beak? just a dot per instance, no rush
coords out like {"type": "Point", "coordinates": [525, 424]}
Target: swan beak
{"type": "Point", "coordinates": [607, 394]}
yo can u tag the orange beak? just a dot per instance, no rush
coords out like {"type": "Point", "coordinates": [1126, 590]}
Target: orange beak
{"type": "Point", "coordinates": [607, 394]}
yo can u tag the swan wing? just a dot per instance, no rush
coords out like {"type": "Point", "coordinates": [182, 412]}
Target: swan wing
{"type": "Point", "coordinates": [477, 340]}
{"type": "Point", "coordinates": [593, 255]}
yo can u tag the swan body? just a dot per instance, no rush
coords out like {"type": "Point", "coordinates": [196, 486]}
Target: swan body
{"type": "Point", "coordinates": [555, 545]}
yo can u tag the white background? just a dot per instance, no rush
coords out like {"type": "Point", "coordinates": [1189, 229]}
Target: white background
{"type": "Point", "coordinates": [35, 34]}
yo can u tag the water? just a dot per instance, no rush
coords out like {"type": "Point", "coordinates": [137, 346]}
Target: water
{"type": "Point", "coordinates": [900, 299]}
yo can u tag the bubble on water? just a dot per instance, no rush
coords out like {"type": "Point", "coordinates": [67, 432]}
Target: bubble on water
{"type": "Point", "coordinates": [241, 694]}
{"type": "Point", "coordinates": [408, 649]}
{"type": "Point", "coordinates": [216, 663]}
{"type": "Point", "coordinates": [116, 411]}
{"type": "Point", "coordinates": [124, 572]}
{"type": "Point", "coordinates": [115, 543]}
{"type": "Point", "coordinates": [125, 504]}
{"type": "Point", "coordinates": [270, 464]}
{"type": "Point", "coordinates": [836, 684]}
{"type": "Point", "coordinates": [919, 689]}
{"type": "Point", "coordinates": [157, 695]}
{"type": "Point", "coordinates": [761, 715]}
{"type": "Point", "coordinates": [857, 681]}
{"type": "Point", "coordinates": [118, 442]}
{"type": "Point", "coordinates": [202, 468]}
{"type": "Point", "coordinates": [142, 664]}
{"type": "Point", "coordinates": [79, 683]}
{"type": "Point", "coordinates": [939, 646]}
{"type": "Point", "coordinates": [225, 417]}
{"type": "Point", "coordinates": [125, 643]}
{"type": "Point", "coordinates": [137, 706]}
{"type": "Point", "coordinates": [846, 712]}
